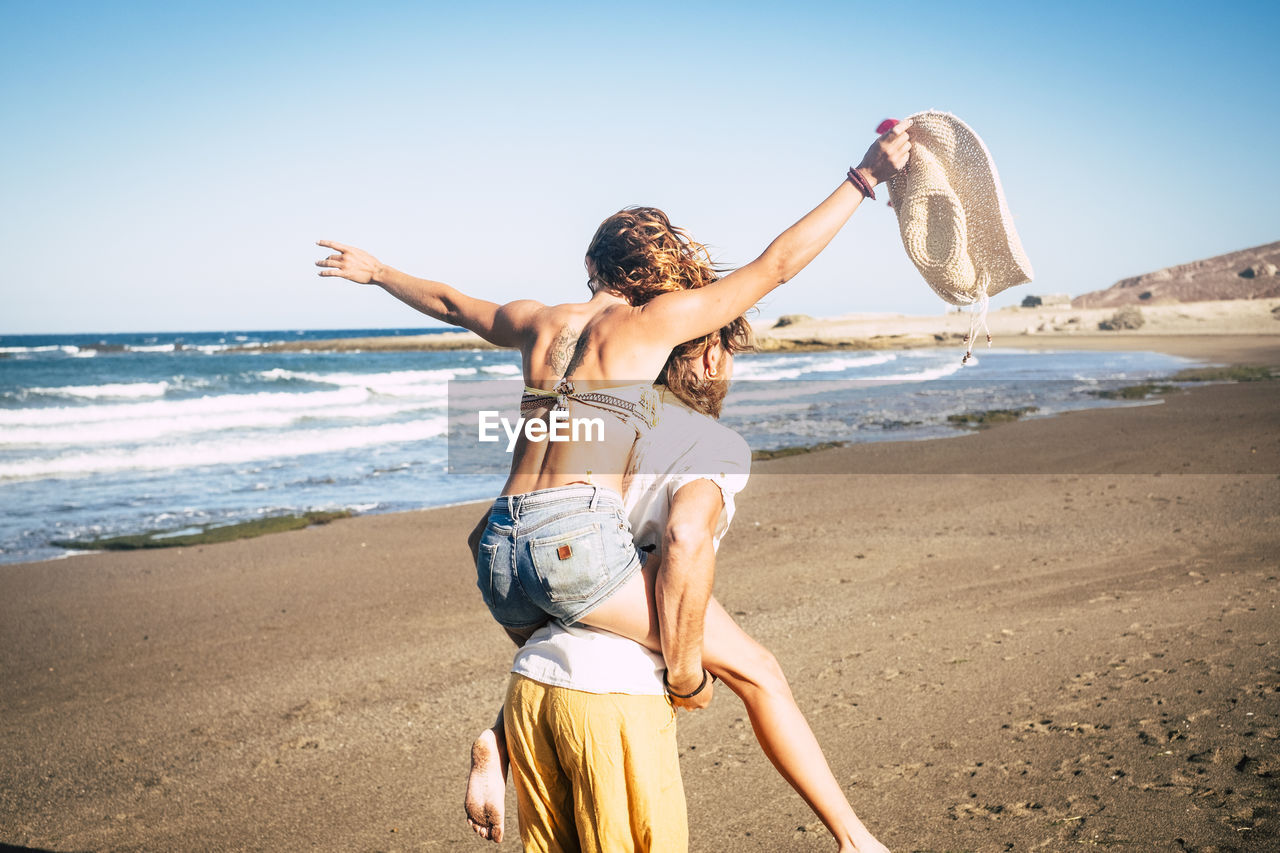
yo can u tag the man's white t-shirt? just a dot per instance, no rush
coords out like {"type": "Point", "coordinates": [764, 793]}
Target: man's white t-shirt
{"type": "Point", "coordinates": [683, 447]}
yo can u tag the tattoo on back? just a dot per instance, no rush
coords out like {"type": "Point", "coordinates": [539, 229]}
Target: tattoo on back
{"type": "Point", "coordinates": [562, 350]}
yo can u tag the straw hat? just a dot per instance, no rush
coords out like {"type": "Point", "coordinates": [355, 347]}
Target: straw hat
{"type": "Point", "coordinates": [951, 211]}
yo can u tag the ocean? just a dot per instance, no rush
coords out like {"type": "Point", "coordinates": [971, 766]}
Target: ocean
{"type": "Point", "coordinates": [115, 434]}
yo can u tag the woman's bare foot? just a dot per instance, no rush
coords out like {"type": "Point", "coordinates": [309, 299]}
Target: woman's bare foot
{"type": "Point", "coordinates": [487, 786]}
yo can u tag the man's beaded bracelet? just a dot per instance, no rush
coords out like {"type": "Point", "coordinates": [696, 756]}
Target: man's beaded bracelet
{"type": "Point", "coordinates": [667, 685]}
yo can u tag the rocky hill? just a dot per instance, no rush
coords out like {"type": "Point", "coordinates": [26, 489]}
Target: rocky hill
{"type": "Point", "coordinates": [1246, 274]}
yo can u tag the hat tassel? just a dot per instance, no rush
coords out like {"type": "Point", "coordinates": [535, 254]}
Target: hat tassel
{"type": "Point", "coordinates": [978, 318]}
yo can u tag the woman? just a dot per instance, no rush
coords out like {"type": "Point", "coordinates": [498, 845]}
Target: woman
{"type": "Point", "coordinates": [557, 544]}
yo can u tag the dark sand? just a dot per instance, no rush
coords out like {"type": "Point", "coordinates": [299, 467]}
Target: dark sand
{"type": "Point", "coordinates": [1078, 651]}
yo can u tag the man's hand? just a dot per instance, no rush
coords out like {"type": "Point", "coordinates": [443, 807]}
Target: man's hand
{"type": "Point", "coordinates": [349, 262]}
{"type": "Point", "coordinates": [688, 685]}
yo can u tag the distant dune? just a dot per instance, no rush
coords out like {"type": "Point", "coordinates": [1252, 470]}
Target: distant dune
{"type": "Point", "coordinates": [1246, 274]}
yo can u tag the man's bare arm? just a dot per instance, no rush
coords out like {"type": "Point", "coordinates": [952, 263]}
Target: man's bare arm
{"type": "Point", "coordinates": [684, 586]}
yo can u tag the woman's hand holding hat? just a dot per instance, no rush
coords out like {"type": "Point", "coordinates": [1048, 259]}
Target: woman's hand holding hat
{"type": "Point", "coordinates": [888, 154]}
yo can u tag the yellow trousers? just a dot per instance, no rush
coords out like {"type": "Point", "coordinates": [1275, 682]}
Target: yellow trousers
{"type": "Point", "coordinates": [594, 772]}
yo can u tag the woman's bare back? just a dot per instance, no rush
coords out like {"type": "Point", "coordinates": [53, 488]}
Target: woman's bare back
{"type": "Point", "coordinates": [595, 345]}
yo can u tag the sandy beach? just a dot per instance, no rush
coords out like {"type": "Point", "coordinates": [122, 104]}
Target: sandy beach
{"type": "Point", "coordinates": [1079, 649]}
{"type": "Point", "coordinates": [1019, 559]}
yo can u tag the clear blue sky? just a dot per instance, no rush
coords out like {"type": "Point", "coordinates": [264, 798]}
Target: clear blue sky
{"type": "Point", "coordinates": [168, 166]}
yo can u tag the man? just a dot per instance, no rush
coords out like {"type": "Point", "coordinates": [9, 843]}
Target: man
{"type": "Point", "coordinates": [589, 720]}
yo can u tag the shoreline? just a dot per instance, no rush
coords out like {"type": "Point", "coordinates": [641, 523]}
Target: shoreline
{"type": "Point", "coordinates": [1047, 327]}
{"type": "Point", "coordinates": [1257, 350]}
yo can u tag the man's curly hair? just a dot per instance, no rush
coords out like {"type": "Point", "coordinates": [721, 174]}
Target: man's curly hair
{"type": "Point", "coordinates": [683, 375]}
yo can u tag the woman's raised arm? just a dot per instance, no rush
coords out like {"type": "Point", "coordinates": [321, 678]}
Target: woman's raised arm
{"type": "Point", "coordinates": [672, 318]}
{"type": "Point", "coordinates": [500, 325]}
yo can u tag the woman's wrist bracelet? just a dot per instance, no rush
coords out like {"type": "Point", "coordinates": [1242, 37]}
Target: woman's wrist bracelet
{"type": "Point", "coordinates": [667, 685]}
{"type": "Point", "coordinates": [863, 185]}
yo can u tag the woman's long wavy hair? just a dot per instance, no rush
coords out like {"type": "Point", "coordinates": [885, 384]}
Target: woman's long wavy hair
{"type": "Point", "coordinates": [640, 254]}
{"type": "Point", "coordinates": [682, 373]}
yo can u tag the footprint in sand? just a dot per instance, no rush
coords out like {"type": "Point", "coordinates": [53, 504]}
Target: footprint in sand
{"type": "Point", "coordinates": [1071, 729]}
{"type": "Point", "coordinates": [991, 811]}
{"type": "Point", "coordinates": [313, 709]}
{"type": "Point", "coordinates": [302, 743]}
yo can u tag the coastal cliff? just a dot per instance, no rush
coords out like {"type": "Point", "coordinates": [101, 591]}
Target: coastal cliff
{"type": "Point", "coordinates": [1246, 274]}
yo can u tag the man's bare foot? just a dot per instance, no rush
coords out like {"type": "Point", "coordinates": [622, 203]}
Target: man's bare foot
{"type": "Point", "coordinates": [487, 786]}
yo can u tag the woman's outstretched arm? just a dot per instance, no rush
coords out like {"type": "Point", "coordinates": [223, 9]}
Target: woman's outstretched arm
{"type": "Point", "coordinates": [500, 325]}
{"type": "Point", "coordinates": [672, 318]}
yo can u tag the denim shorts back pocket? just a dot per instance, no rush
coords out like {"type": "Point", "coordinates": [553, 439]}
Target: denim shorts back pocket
{"type": "Point", "coordinates": [571, 566]}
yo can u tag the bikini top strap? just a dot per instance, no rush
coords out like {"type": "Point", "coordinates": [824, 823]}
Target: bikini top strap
{"type": "Point", "coordinates": [540, 398]}
{"type": "Point", "coordinates": [640, 413]}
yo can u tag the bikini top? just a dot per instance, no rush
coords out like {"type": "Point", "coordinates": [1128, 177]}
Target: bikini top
{"type": "Point", "coordinates": [635, 405]}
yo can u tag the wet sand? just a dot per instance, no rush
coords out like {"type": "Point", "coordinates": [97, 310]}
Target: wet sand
{"type": "Point", "coordinates": [1080, 650]}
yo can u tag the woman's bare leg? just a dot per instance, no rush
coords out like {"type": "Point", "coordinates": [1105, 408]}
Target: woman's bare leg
{"type": "Point", "coordinates": [485, 801]}
{"type": "Point", "coordinates": [750, 671]}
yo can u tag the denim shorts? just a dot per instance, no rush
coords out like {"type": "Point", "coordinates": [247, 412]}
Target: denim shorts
{"type": "Point", "coordinates": [554, 553]}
